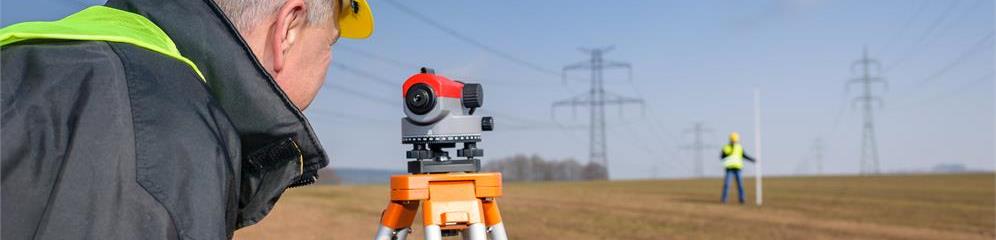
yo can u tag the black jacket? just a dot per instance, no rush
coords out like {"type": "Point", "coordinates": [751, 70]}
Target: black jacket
{"type": "Point", "coordinates": [111, 141]}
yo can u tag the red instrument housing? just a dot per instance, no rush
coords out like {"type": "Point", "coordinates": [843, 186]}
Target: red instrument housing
{"type": "Point", "coordinates": [442, 86]}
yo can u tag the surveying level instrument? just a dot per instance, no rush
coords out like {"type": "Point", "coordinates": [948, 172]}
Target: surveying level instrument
{"type": "Point", "coordinates": [456, 198]}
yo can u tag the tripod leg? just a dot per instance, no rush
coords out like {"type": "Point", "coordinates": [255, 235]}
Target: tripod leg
{"type": "Point", "coordinates": [492, 217]}
{"type": "Point", "coordinates": [384, 233]}
{"type": "Point", "coordinates": [396, 220]}
{"type": "Point", "coordinates": [497, 232]}
{"type": "Point", "coordinates": [475, 231]}
{"type": "Point", "coordinates": [403, 234]}
{"type": "Point", "coordinates": [432, 232]}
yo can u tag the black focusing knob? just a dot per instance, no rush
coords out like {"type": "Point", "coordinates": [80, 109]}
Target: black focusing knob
{"type": "Point", "coordinates": [487, 124]}
{"type": "Point", "coordinates": [473, 95]}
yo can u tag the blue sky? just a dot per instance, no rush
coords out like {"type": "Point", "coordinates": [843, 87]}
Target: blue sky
{"type": "Point", "coordinates": [692, 61]}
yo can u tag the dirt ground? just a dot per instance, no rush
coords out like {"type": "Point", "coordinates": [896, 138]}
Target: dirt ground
{"type": "Point", "coordinates": [838, 207]}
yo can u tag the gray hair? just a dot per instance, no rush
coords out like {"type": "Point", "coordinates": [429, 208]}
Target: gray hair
{"type": "Point", "coordinates": [246, 13]}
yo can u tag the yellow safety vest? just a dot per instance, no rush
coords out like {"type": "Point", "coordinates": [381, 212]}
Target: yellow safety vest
{"type": "Point", "coordinates": [100, 23]}
{"type": "Point", "coordinates": [734, 156]}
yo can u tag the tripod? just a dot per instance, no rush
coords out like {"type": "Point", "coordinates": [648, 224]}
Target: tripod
{"type": "Point", "coordinates": [452, 203]}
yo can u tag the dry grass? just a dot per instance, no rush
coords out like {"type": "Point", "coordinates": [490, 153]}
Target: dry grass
{"type": "Point", "coordinates": [881, 207]}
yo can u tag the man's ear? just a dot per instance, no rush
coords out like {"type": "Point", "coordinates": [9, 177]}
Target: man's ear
{"type": "Point", "coordinates": [290, 22]}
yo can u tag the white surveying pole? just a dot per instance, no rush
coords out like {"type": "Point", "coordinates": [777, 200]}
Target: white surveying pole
{"type": "Point", "coordinates": [757, 146]}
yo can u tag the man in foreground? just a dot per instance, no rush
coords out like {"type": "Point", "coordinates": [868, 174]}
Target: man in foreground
{"type": "Point", "coordinates": [149, 119]}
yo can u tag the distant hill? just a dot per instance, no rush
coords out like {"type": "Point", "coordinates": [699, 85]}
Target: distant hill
{"type": "Point", "coordinates": [943, 168]}
{"type": "Point", "coordinates": [355, 175]}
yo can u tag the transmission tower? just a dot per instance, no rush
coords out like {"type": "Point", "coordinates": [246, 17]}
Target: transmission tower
{"type": "Point", "coordinates": [869, 146]}
{"type": "Point", "coordinates": [818, 155]}
{"type": "Point", "coordinates": [596, 99]}
{"type": "Point", "coordinates": [698, 145]}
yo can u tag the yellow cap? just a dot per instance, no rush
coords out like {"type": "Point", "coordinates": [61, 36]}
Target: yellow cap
{"type": "Point", "coordinates": [734, 137]}
{"type": "Point", "coordinates": [355, 19]}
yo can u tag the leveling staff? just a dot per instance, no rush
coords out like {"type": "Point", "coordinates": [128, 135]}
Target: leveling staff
{"type": "Point", "coordinates": [147, 119]}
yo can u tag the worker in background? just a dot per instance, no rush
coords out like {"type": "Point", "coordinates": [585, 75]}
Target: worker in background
{"type": "Point", "coordinates": [733, 160]}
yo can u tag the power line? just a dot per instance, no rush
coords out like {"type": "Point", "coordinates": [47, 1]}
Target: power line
{"type": "Point", "coordinates": [637, 140]}
{"type": "Point", "coordinates": [634, 139]}
{"type": "Point", "coordinates": [364, 96]}
{"type": "Point", "coordinates": [937, 21]}
{"type": "Point", "coordinates": [930, 29]}
{"type": "Point", "coordinates": [988, 77]}
{"type": "Point", "coordinates": [919, 44]}
{"type": "Point", "coordinates": [539, 128]}
{"type": "Point", "coordinates": [984, 43]}
{"type": "Point", "coordinates": [840, 111]}
{"type": "Point", "coordinates": [916, 15]}
{"type": "Point", "coordinates": [654, 124]}
{"type": "Point", "coordinates": [344, 116]}
{"type": "Point", "coordinates": [525, 121]}
{"type": "Point", "coordinates": [378, 57]}
{"type": "Point", "coordinates": [408, 66]}
{"type": "Point", "coordinates": [368, 75]}
{"type": "Point", "coordinates": [456, 34]}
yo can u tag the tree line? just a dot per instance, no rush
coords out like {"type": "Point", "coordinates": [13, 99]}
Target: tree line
{"type": "Point", "coordinates": [535, 168]}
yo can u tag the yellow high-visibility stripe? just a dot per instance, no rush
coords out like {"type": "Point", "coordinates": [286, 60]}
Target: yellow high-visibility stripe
{"type": "Point", "coordinates": [100, 23]}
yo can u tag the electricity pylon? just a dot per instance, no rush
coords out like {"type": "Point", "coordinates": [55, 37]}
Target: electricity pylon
{"type": "Point", "coordinates": [869, 146]}
{"type": "Point", "coordinates": [596, 99]}
{"type": "Point", "coordinates": [818, 155]}
{"type": "Point", "coordinates": [698, 145]}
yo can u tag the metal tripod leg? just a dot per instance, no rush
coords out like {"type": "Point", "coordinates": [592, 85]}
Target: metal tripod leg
{"type": "Point", "coordinates": [492, 217]}
{"type": "Point", "coordinates": [402, 234]}
{"type": "Point", "coordinates": [497, 232]}
{"type": "Point", "coordinates": [386, 233]}
{"type": "Point", "coordinates": [475, 231]}
{"type": "Point", "coordinates": [432, 232]}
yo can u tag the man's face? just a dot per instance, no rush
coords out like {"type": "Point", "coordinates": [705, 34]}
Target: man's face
{"type": "Point", "coordinates": [306, 62]}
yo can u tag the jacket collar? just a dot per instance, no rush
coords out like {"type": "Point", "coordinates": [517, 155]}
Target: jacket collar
{"type": "Point", "coordinates": [260, 111]}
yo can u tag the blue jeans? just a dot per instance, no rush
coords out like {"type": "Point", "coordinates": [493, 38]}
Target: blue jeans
{"type": "Point", "coordinates": [726, 181]}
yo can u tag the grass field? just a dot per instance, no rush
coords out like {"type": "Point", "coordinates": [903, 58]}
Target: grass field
{"type": "Point", "coordinates": [845, 207]}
